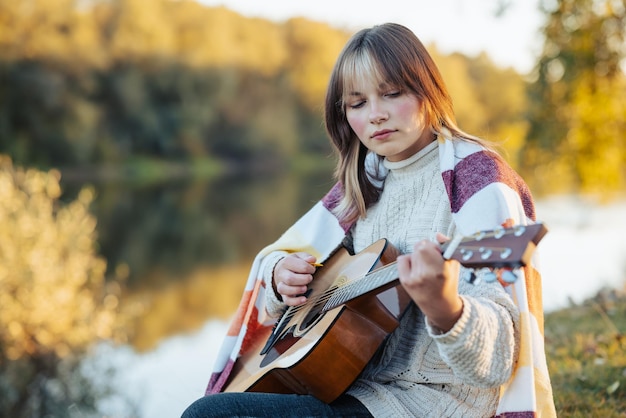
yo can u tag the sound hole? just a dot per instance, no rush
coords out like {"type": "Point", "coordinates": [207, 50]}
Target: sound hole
{"type": "Point", "coordinates": [315, 313]}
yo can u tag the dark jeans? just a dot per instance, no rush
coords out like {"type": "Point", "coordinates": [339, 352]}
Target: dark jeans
{"type": "Point", "coordinates": [272, 405]}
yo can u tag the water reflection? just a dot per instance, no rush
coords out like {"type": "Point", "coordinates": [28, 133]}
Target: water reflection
{"type": "Point", "coordinates": [185, 247]}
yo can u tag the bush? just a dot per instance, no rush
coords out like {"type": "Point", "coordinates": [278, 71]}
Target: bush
{"type": "Point", "coordinates": [54, 300]}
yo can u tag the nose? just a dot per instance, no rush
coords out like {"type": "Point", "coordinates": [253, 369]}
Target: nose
{"type": "Point", "coordinates": [377, 113]}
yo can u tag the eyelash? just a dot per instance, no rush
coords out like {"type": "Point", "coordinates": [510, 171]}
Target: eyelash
{"type": "Point", "coordinates": [393, 94]}
{"type": "Point", "coordinates": [356, 105]}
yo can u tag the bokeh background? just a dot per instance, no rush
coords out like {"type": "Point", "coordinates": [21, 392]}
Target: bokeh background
{"type": "Point", "coordinates": [149, 148]}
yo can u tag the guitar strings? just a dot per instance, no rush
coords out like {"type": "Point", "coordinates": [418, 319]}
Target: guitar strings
{"type": "Point", "coordinates": [340, 292]}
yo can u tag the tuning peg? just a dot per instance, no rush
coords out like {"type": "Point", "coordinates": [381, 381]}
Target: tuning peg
{"type": "Point", "coordinates": [519, 230]}
{"type": "Point", "coordinates": [489, 276]}
{"type": "Point", "coordinates": [508, 276]}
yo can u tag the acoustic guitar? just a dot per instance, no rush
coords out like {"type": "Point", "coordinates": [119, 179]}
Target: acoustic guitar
{"type": "Point", "coordinates": [353, 303]}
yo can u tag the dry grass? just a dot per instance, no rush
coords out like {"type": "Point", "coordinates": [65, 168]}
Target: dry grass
{"type": "Point", "coordinates": [586, 350]}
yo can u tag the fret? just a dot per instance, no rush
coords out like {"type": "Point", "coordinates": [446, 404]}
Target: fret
{"type": "Point", "coordinates": [484, 249]}
{"type": "Point", "coordinates": [361, 286]}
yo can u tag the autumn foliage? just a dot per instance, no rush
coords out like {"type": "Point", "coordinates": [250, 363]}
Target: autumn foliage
{"type": "Point", "coordinates": [54, 301]}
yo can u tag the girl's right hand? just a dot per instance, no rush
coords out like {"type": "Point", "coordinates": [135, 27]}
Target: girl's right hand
{"type": "Point", "coordinates": [292, 274]}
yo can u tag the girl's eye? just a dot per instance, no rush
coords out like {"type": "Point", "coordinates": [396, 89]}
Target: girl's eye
{"type": "Point", "coordinates": [356, 104]}
{"type": "Point", "coordinates": [394, 93]}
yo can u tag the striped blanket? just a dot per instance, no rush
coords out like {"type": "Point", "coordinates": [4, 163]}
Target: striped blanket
{"type": "Point", "coordinates": [484, 193]}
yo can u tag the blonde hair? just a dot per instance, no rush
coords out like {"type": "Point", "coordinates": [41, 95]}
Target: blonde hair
{"type": "Point", "coordinates": [390, 54]}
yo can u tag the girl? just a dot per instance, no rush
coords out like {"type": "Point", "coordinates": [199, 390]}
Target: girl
{"type": "Point", "coordinates": [407, 173]}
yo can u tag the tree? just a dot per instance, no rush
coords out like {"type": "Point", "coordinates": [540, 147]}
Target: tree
{"type": "Point", "coordinates": [313, 50]}
{"type": "Point", "coordinates": [577, 112]}
{"type": "Point", "coordinates": [489, 101]}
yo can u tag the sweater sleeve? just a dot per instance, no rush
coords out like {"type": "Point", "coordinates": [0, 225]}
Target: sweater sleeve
{"type": "Point", "coordinates": [481, 348]}
{"type": "Point", "coordinates": [484, 192]}
{"type": "Point", "coordinates": [273, 303]}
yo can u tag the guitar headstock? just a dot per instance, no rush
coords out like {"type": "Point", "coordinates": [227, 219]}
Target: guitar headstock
{"type": "Point", "coordinates": [499, 248]}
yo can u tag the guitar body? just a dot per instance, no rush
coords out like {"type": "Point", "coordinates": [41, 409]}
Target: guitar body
{"type": "Point", "coordinates": [318, 352]}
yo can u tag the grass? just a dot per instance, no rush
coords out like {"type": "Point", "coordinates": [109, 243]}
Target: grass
{"type": "Point", "coordinates": [586, 352]}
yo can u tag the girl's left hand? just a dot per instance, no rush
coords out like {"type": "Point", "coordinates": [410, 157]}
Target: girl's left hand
{"type": "Point", "coordinates": [432, 283]}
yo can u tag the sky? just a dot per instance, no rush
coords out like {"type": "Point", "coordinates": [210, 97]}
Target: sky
{"type": "Point", "coordinates": [466, 26]}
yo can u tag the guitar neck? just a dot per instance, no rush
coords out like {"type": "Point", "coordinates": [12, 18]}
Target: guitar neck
{"type": "Point", "coordinates": [499, 248]}
{"type": "Point", "coordinates": [351, 290]}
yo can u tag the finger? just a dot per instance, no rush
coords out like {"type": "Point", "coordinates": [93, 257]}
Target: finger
{"type": "Point", "coordinates": [299, 263]}
{"type": "Point", "coordinates": [290, 290]}
{"type": "Point", "coordinates": [294, 300]}
{"type": "Point", "coordinates": [306, 257]}
{"type": "Point", "coordinates": [427, 261]}
{"type": "Point", "coordinates": [441, 238]}
{"type": "Point", "coordinates": [293, 295]}
{"type": "Point", "coordinates": [293, 278]}
{"type": "Point", "coordinates": [427, 251]}
{"type": "Point", "coordinates": [421, 251]}
{"type": "Point", "coordinates": [403, 264]}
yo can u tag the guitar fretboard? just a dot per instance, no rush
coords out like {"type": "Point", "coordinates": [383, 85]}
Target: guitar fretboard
{"type": "Point", "coordinates": [502, 247]}
{"type": "Point", "coordinates": [355, 288]}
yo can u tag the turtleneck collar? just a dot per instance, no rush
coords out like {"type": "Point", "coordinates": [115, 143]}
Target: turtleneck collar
{"type": "Point", "coordinates": [395, 165]}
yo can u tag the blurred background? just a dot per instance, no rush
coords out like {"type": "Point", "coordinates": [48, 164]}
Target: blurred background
{"type": "Point", "coordinates": [150, 148]}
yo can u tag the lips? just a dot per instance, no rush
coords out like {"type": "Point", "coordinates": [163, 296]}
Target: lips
{"type": "Point", "coordinates": [382, 134]}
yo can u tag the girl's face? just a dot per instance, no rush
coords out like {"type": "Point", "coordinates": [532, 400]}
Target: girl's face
{"type": "Point", "coordinates": [387, 119]}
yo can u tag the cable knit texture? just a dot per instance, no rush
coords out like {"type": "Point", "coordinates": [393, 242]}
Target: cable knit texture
{"type": "Point", "coordinates": [419, 373]}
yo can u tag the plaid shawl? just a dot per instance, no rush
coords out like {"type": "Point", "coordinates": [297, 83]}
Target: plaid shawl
{"type": "Point", "coordinates": [484, 193]}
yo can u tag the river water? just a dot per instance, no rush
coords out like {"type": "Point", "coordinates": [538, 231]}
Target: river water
{"type": "Point", "coordinates": [584, 251]}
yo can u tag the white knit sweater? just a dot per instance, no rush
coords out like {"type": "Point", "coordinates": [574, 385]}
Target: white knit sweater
{"type": "Point", "coordinates": [418, 372]}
